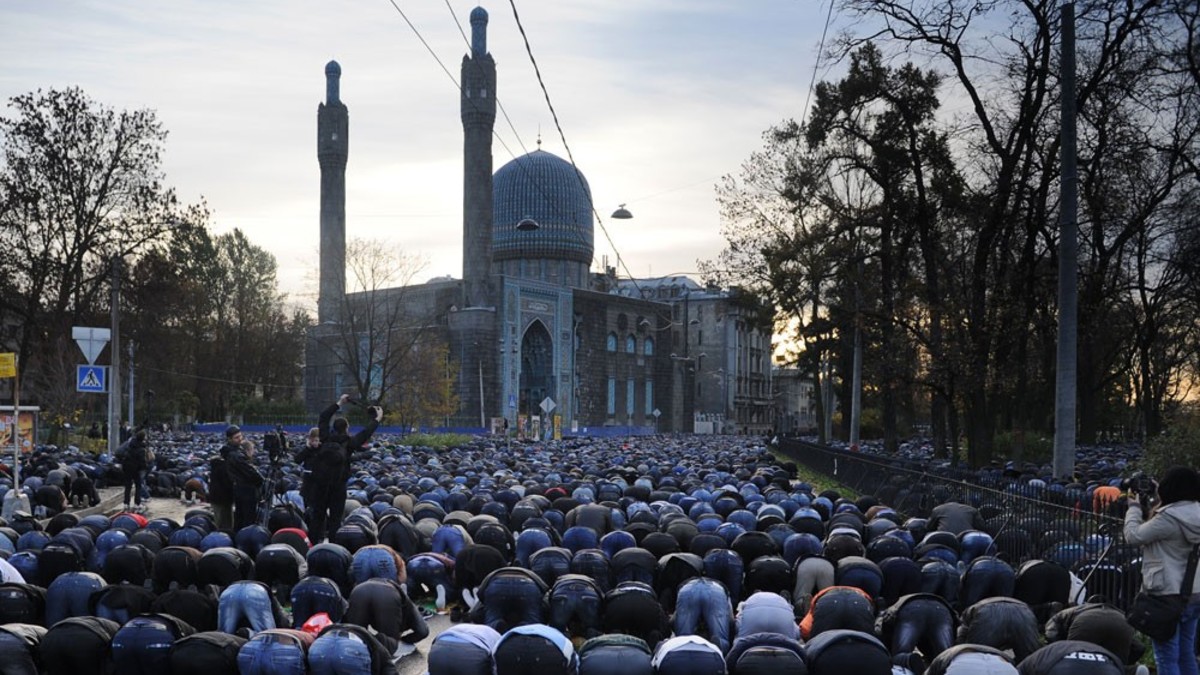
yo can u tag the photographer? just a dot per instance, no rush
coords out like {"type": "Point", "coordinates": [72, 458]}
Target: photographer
{"type": "Point", "coordinates": [1167, 538]}
{"type": "Point", "coordinates": [331, 466]}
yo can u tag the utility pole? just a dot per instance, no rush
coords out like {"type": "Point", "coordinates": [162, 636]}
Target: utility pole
{"type": "Point", "coordinates": [856, 382]}
{"type": "Point", "coordinates": [114, 385]}
{"type": "Point", "coordinates": [1068, 292]}
{"type": "Point", "coordinates": [131, 387]}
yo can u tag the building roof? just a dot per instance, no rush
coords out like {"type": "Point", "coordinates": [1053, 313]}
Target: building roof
{"type": "Point", "coordinates": [548, 190]}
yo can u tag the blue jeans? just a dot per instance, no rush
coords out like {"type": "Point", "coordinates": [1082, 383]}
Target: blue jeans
{"type": "Point", "coordinates": [575, 600]}
{"type": "Point", "coordinates": [314, 595]}
{"type": "Point", "coordinates": [271, 654]}
{"type": "Point", "coordinates": [704, 598]}
{"type": "Point", "coordinates": [339, 652]}
{"type": "Point", "coordinates": [449, 540]}
{"type": "Point", "coordinates": [245, 602]}
{"type": "Point", "coordinates": [728, 568]}
{"type": "Point", "coordinates": [68, 596]}
{"type": "Point", "coordinates": [511, 600]}
{"type": "Point", "coordinates": [1177, 656]}
{"type": "Point", "coordinates": [427, 572]}
{"type": "Point", "coordinates": [370, 563]}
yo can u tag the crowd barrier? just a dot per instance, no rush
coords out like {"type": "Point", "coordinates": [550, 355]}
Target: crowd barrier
{"type": "Point", "coordinates": [1027, 520]}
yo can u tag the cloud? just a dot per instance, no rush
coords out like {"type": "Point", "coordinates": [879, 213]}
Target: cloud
{"type": "Point", "coordinates": [658, 99]}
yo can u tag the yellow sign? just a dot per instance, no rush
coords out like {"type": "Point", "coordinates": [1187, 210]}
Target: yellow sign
{"type": "Point", "coordinates": [8, 364]}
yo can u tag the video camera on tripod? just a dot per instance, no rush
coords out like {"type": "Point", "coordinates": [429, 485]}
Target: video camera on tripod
{"type": "Point", "coordinates": [276, 444]}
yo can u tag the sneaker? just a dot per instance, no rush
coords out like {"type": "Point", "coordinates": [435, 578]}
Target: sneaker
{"type": "Point", "coordinates": [1142, 669]}
{"type": "Point", "coordinates": [125, 508]}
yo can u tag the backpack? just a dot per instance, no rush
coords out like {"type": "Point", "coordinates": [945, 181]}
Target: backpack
{"type": "Point", "coordinates": [331, 455]}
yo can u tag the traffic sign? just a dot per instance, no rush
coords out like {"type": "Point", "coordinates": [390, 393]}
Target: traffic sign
{"type": "Point", "coordinates": [548, 405]}
{"type": "Point", "coordinates": [657, 413]}
{"type": "Point", "coordinates": [91, 379]}
{"type": "Point", "coordinates": [8, 364]}
{"type": "Point", "coordinates": [91, 341]}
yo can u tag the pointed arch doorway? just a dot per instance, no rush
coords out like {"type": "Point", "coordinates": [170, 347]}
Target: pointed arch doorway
{"type": "Point", "coordinates": [537, 364]}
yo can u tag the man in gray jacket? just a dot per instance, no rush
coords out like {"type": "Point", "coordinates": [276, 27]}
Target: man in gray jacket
{"type": "Point", "coordinates": [1167, 539]}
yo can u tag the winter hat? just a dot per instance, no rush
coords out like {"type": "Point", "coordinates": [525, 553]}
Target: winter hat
{"type": "Point", "coordinates": [1179, 484]}
{"type": "Point", "coordinates": [232, 430]}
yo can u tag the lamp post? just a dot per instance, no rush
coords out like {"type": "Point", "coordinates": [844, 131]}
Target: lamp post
{"type": "Point", "coordinates": [724, 397]}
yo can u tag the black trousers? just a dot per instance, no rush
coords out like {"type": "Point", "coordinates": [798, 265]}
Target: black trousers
{"type": "Point", "coordinates": [924, 623]}
{"type": "Point", "coordinates": [328, 506]}
{"type": "Point", "coordinates": [245, 506]}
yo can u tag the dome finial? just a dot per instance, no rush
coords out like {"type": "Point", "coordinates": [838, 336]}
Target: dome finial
{"type": "Point", "coordinates": [333, 76]}
{"type": "Point", "coordinates": [479, 20]}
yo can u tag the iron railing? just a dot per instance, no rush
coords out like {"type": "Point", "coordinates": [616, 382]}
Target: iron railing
{"type": "Point", "coordinates": [1028, 520]}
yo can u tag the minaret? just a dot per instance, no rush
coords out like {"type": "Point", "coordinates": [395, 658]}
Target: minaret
{"type": "Point", "coordinates": [333, 144]}
{"type": "Point", "coordinates": [478, 110]}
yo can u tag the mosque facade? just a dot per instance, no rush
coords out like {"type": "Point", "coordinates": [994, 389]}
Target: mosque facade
{"type": "Point", "coordinates": [530, 327]}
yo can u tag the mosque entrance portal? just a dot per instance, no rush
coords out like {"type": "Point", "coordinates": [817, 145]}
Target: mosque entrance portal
{"type": "Point", "coordinates": [537, 361]}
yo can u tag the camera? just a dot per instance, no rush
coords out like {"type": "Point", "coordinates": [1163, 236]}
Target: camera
{"type": "Point", "coordinates": [1138, 482]}
{"type": "Point", "coordinates": [1141, 485]}
{"type": "Point", "coordinates": [276, 444]}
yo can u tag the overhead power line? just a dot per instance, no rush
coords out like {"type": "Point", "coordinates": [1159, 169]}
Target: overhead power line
{"type": "Point", "coordinates": [563, 137]}
{"type": "Point", "coordinates": [520, 165]}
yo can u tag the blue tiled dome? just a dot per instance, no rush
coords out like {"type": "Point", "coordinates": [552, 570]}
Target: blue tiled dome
{"type": "Point", "coordinates": [547, 189]}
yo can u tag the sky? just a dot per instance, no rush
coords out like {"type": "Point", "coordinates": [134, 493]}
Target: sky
{"type": "Point", "coordinates": [658, 99]}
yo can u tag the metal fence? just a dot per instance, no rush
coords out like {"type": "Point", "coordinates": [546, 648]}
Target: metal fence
{"type": "Point", "coordinates": [1028, 520]}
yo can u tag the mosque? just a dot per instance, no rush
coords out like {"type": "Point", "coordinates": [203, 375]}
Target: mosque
{"type": "Point", "coordinates": [529, 327]}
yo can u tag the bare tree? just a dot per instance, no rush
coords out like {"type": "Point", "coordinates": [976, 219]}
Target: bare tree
{"type": "Point", "coordinates": [381, 320]}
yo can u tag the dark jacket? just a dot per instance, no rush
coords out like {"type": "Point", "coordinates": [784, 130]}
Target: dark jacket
{"type": "Point", "coordinates": [220, 485]}
{"type": "Point", "coordinates": [942, 662]}
{"type": "Point", "coordinates": [955, 517]}
{"type": "Point", "coordinates": [1099, 624]}
{"type": "Point", "coordinates": [1000, 622]}
{"type": "Point", "coordinates": [1099, 660]}
{"type": "Point", "coordinates": [352, 444]}
{"type": "Point", "coordinates": [133, 456]}
{"type": "Point", "coordinates": [242, 474]}
{"type": "Point", "coordinates": [383, 605]}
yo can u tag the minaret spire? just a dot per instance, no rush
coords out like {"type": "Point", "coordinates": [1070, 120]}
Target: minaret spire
{"type": "Point", "coordinates": [333, 146]}
{"type": "Point", "coordinates": [477, 105]}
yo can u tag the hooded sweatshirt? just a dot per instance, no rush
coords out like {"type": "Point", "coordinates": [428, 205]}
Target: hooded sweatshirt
{"type": "Point", "coordinates": [1167, 540]}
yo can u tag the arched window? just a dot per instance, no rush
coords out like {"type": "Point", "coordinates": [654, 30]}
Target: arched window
{"type": "Point", "coordinates": [630, 344]}
{"type": "Point", "coordinates": [648, 347]}
{"type": "Point", "coordinates": [612, 342]}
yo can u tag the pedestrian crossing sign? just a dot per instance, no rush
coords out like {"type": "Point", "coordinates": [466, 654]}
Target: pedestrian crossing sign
{"type": "Point", "coordinates": [91, 379]}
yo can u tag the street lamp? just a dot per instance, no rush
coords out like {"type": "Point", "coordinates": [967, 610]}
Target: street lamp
{"type": "Point", "coordinates": [622, 213]}
{"type": "Point", "coordinates": [724, 394]}
{"type": "Point", "coordinates": [528, 224]}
